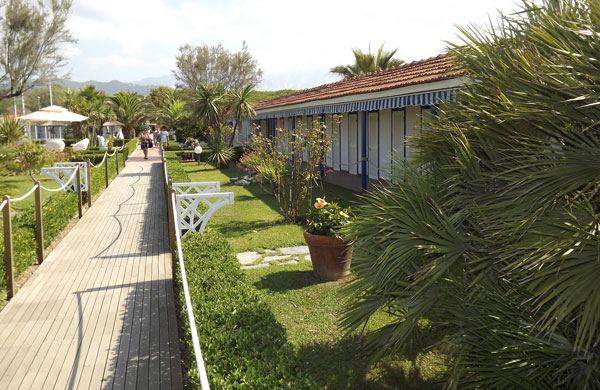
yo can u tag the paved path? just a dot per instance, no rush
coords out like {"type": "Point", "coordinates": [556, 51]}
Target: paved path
{"type": "Point", "coordinates": [280, 256]}
{"type": "Point", "coordinates": [99, 312]}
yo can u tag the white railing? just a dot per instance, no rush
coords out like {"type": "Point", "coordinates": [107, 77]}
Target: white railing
{"type": "Point", "coordinates": [175, 243]}
{"type": "Point", "coordinates": [188, 304]}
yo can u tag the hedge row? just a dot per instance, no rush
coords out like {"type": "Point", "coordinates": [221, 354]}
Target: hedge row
{"type": "Point", "coordinates": [175, 169]}
{"type": "Point", "coordinates": [57, 211]}
{"type": "Point", "coordinates": [242, 343]}
{"type": "Point", "coordinates": [117, 142]}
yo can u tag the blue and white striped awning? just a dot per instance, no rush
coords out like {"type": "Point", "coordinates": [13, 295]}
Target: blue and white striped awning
{"type": "Point", "coordinates": [419, 99]}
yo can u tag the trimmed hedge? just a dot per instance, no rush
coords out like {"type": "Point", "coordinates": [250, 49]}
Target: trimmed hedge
{"type": "Point", "coordinates": [242, 343]}
{"type": "Point", "coordinates": [174, 146]}
{"type": "Point", "coordinates": [175, 168]}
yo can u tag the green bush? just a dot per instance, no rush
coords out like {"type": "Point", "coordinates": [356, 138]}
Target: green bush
{"type": "Point", "coordinates": [173, 146]}
{"type": "Point", "coordinates": [175, 168]}
{"type": "Point", "coordinates": [120, 142]}
{"type": "Point", "coordinates": [242, 343]}
{"type": "Point", "coordinates": [57, 212]}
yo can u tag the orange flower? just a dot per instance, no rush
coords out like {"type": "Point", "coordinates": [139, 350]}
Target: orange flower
{"type": "Point", "coordinates": [320, 203]}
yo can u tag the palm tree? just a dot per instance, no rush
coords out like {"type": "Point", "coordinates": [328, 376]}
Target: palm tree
{"type": "Point", "coordinates": [241, 106]}
{"type": "Point", "coordinates": [130, 109]}
{"type": "Point", "coordinates": [210, 105]}
{"type": "Point", "coordinates": [367, 62]}
{"type": "Point", "coordinates": [11, 130]}
{"type": "Point", "coordinates": [74, 102]}
{"type": "Point", "coordinates": [91, 103]}
{"type": "Point", "coordinates": [493, 236]}
{"type": "Point", "coordinates": [173, 113]}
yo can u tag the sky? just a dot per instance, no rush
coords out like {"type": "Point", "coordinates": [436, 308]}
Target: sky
{"type": "Point", "coordinates": [294, 43]}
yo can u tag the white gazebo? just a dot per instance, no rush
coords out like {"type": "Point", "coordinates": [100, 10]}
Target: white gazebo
{"type": "Point", "coordinates": [112, 129]}
{"type": "Point", "coordinates": [43, 124]}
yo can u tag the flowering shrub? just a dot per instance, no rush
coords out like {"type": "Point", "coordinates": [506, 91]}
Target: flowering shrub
{"type": "Point", "coordinates": [31, 156]}
{"type": "Point", "coordinates": [327, 218]}
{"type": "Point", "coordinates": [279, 162]}
{"type": "Point", "coordinates": [247, 161]}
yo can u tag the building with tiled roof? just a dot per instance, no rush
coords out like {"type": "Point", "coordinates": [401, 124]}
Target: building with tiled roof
{"type": "Point", "coordinates": [379, 112]}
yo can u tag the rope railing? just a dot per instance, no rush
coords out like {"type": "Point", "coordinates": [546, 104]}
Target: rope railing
{"type": "Point", "coordinates": [31, 191]}
{"type": "Point", "coordinates": [64, 185]}
{"type": "Point", "coordinates": [101, 163]}
{"type": "Point", "coordinates": [175, 244]}
{"type": "Point", "coordinates": [37, 190]}
{"type": "Point", "coordinates": [188, 303]}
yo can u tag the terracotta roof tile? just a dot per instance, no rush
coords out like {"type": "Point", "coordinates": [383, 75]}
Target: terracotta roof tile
{"type": "Point", "coordinates": [417, 72]}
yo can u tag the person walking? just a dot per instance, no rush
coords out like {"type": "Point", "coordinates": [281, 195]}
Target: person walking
{"type": "Point", "coordinates": [144, 144]}
{"type": "Point", "coordinates": [164, 135]}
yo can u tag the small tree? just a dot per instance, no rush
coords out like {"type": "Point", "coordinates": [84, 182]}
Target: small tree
{"type": "Point", "coordinates": [31, 157]}
{"type": "Point", "coordinates": [279, 163]}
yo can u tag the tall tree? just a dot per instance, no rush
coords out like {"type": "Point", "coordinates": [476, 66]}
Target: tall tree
{"type": "Point", "coordinates": [367, 62]}
{"type": "Point", "coordinates": [211, 65]}
{"type": "Point", "coordinates": [130, 109]}
{"type": "Point", "coordinates": [32, 34]}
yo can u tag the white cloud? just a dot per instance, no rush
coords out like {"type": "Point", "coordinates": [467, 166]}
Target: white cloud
{"type": "Point", "coordinates": [115, 60]}
{"type": "Point", "coordinates": [300, 40]}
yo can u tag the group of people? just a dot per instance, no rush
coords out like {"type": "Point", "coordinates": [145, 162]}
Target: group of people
{"type": "Point", "coordinates": [151, 137]}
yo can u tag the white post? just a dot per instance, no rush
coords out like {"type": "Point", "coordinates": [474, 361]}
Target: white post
{"type": "Point", "coordinates": [23, 103]}
{"type": "Point", "coordinates": [50, 87]}
{"type": "Point", "coordinates": [15, 105]}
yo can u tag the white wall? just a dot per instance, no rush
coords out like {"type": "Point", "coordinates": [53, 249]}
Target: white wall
{"type": "Point", "coordinates": [385, 143]}
{"type": "Point", "coordinates": [385, 136]}
{"type": "Point", "coordinates": [329, 158]}
{"type": "Point", "coordinates": [373, 144]}
{"type": "Point", "coordinates": [344, 145]}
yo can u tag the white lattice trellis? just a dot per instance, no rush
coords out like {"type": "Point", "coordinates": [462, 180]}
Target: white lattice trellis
{"type": "Point", "coordinates": [200, 187]}
{"type": "Point", "coordinates": [62, 171]}
{"type": "Point", "coordinates": [190, 218]}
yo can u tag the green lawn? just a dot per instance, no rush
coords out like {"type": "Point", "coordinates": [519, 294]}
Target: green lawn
{"type": "Point", "coordinates": [18, 185]}
{"type": "Point", "coordinates": [308, 309]}
{"type": "Point", "coordinates": [253, 222]}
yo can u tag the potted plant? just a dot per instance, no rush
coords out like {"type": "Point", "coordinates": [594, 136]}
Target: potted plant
{"type": "Point", "coordinates": [330, 253]}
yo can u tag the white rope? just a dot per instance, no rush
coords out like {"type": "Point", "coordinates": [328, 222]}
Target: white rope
{"type": "Point", "coordinates": [113, 153]}
{"type": "Point", "coordinates": [102, 163]}
{"type": "Point", "coordinates": [26, 195]}
{"type": "Point", "coordinates": [64, 185]}
{"type": "Point", "coordinates": [188, 303]}
{"type": "Point", "coordinates": [3, 204]}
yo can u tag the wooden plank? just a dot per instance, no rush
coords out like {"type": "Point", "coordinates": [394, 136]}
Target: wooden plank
{"type": "Point", "coordinates": [71, 325]}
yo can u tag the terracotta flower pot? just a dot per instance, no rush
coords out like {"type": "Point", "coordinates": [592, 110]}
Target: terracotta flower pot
{"type": "Point", "coordinates": [330, 256]}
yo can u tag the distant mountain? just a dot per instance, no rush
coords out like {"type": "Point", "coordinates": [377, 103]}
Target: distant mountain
{"type": "Point", "coordinates": [111, 87]}
{"type": "Point", "coordinates": [167, 80]}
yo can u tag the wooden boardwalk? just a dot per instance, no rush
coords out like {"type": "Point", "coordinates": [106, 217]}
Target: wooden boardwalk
{"type": "Point", "coordinates": [99, 312]}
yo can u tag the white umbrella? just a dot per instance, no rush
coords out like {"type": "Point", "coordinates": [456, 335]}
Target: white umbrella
{"type": "Point", "coordinates": [113, 123]}
{"type": "Point", "coordinates": [54, 113]}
